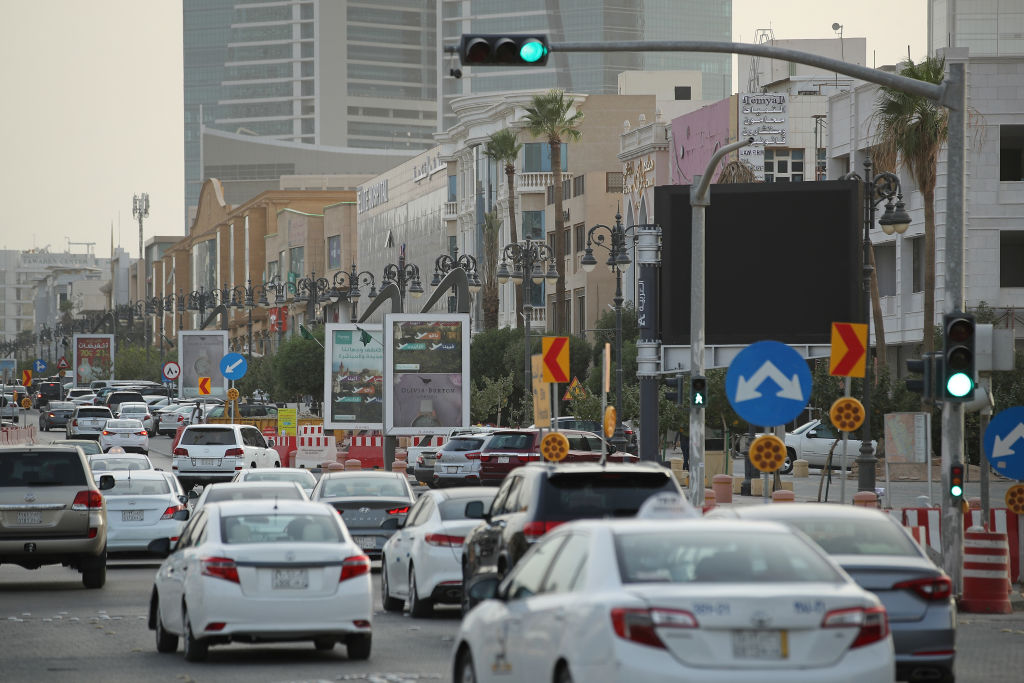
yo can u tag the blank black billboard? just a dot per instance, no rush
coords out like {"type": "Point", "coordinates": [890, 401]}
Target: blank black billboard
{"type": "Point", "coordinates": [782, 261]}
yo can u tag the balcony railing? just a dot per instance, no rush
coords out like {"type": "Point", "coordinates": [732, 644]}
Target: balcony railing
{"type": "Point", "coordinates": [533, 182]}
{"type": "Point", "coordinates": [451, 210]}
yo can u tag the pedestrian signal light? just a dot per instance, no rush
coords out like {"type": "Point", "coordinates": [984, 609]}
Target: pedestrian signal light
{"type": "Point", "coordinates": [504, 50]}
{"type": "Point", "coordinates": [698, 391]}
{"type": "Point", "coordinates": [958, 356]}
{"type": "Point", "coordinates": [956, 480]}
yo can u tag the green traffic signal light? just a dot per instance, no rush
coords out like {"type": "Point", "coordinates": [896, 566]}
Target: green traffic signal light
{"type": "Point", "coordinates": [532, 51]}
{"type": "Point", "coordinates": [956, 480]}
{"type": "Point", "coordinates": [957, 491]}
{"type": "Point", "coordinates": [959, 384]}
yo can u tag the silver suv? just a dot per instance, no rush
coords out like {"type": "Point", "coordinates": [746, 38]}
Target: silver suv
{"type": "Point", "coordinates": [87, 422]}
{"type": "Point", "coordinates": [52, 511]}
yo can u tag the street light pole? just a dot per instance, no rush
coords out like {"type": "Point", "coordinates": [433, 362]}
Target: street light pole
{"type": "Point", "coordinates": [346, 284]}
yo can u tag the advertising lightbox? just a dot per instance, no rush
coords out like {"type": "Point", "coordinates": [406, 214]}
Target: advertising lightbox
{"type": "Point", "coordinates": [353, 376]}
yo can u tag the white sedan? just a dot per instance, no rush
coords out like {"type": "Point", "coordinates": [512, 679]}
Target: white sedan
{"type": "Point", "coordinates": [656, 600]}
{"type": "Point", "coordinates": [143, 506]}
{"type": "Point", "coordinates": [421, 562]}
{"type": "Point", "coordinates": [262, 571]}
{"type": "Point", "coordinates": [130, 435]}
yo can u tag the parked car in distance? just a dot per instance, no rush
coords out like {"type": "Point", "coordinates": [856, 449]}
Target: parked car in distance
{"type": "Point", "coordinates": [245, 410]}
{"type": "Point", "coordinates": [54, 512]}
{"type": "Point", "coordinates": [594, 426]}
{"type": "Point", "coordinates": [137, 411]}
{"type": "Point", "coordinates": [211, 453]}
{"type": "Point", "coordinates": [129, 435]}
{"type": "Point", "coordinates": [458, 461]}
{"type": "Point", "coordinates": [812, 442]}
{"type": "Point", "coordinates": [508, 449]}
{"type": "Point", "coordinates": [88, 422]}
{"type": "Point", "coordinates": [303, 477]}
{"type": "Point", "coordinates": [55, 415]}
{"type": "Point", "coordinates": [536, 498]}
{"type": "Point", "coordinates": [420, 562]}
{"type": "Point", "coordinates": [879, 554]}
{"type": "Point", "coordinates": [142, 507]}
{"type": "Point", "coordinates": [261, 570]}
{"type": "Point", "coordinates": [371, 502]}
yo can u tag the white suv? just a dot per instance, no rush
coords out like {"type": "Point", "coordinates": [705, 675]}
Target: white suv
{"type": "Point", "coordinates": [212, 453]}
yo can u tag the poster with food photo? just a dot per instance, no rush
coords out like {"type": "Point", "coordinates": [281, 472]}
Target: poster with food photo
{"type": "Point", "coordinates": [93, 358]}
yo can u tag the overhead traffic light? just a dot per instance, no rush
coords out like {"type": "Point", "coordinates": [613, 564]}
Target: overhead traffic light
{"type": "Point", "coordinates": [699, 391]}
{"type": "Point", "coordinates": [503, 50]}
{"type": "Point", "coordinates": [956, 480]}
{"type": "Point", "coordinates": [959, 336]}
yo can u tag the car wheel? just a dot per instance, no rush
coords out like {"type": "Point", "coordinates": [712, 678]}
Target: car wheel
{"type": "Point", "coordinates": [787, 467]}
{"type": "Point", "coordinates": [324, 644]}
{"type": "Point", "coordinates": [390, 604]}
{"type": "Point", "coordinates": [94, 571]}
{"type": "Point", "coordinates": [165, 642]}
{"type": "Point", "coordinates": [358, 646]}
{"type": "Point", "coordinates": [464, 671]}
{"type": "Point", "coordinates": [417, 607]}
{"type": "Point", "coordinates": [196, 649]}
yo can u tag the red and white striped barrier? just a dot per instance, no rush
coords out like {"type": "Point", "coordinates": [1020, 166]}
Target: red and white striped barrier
{"type": "Point", "coordinates": [314, 447]}
{"type": "Point", "coordinates": [986, 572]}
{"type": "Point", "coordinates": [17, 436]}
{"type": "Point", "coordinates": [368, 450]}
{"type": "Point", "coordinates": [435, 440]}
{"type": "Point", "coordinates": [925, 523]}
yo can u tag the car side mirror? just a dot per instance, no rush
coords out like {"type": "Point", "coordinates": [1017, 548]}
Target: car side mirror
{"type": "Point", "coordinates": [182, 499]}
{"type": "Point", "coordinates": [270, 442]}
{"type": "Point", "coordinates": [813, 434]}
{"type": "Point", "coordinates": [474, 509]}
{"type": "Point", "coordinates": [192, 495]}
{"type": "Point", "coordinates": [107, 482]}
{"type": "Point", "coordinates": [181, 515]}
{"type": "Point", "coordinates": [482, 587]}
{"type": "Point", "coordinates": [611, 448]}
{"type": "Point", "coordinates": [391, 523]}
{"type": "Point", "coordinates": [160, 547]}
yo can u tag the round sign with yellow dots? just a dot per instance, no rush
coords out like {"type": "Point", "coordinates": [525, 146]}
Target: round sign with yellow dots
{"type": "Point", "coordinates": [26, 403]}
{"type": "Point", "coordinates": [767, 453]}
{"type": "Point", "coordinates": [232, 394]}
{"type": "Point", "coordinates": [1015, 499]}
{"type": "Point", "coordinates": [609, 421]}
{"type": "Point", "coordinates": [847, 414]}
{"type": "Point", "coordinates": [554, 447]}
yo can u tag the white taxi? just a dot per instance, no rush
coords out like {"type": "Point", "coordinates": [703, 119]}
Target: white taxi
{"type": "Point", "coordinates": [694, 600]}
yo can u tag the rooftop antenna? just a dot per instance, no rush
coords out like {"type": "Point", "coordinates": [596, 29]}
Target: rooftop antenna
{"type": "Point", "coordinates": [838, 28]}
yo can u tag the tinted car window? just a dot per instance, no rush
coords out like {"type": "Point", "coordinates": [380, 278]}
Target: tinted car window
{"type": "Point", "coordinates": [462, 445]}
{"type": "Point", "coordinates": [93, 412]}
{"type": "Point", "coordinates": [41, 469]}
{"type": "Point", "coordinates": [600, 494]}
{"type": "Point", "coordinates": [864, 537]}
{"type": "Point", "coordinates": [517, 441]}
{"type": "Point", "coordinates": [364, 486]}
{"type": "Point", "coordinates": [208, 437]}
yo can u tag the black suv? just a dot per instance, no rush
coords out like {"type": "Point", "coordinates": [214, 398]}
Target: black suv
{"type": "Point", "coordinates": [46, 392]}
{"type": "Point", "coordinates": [537, 497]}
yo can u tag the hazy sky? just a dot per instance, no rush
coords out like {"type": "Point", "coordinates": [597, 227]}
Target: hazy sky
{"type": "Point", "coordinates": [93, 106]}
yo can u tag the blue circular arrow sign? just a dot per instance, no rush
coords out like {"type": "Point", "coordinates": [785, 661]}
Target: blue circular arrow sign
{"type": "Point", "coordinates": [233, 366]}
{"type": "Point", "coordinates": [768, 384]}
{"type": "Point", "coordinates": [1004, 443]}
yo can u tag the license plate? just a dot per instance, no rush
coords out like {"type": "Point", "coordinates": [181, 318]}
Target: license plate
{"type": "Point", "coordinates": [207, 462]}
{"type": "Point", "coordinates": [502, 458]}
{"type": "Point", "coordinates": [453, 470]}
{"type": "Point", "coordinates": [751, 644]}
{"type": "Point", "coordinates": [290, 579]}
{"type": "Point", "coordinates": [132, 515]}
{"type": "Point", "coordinates": [30, 518]}
{"type": "Point", "coordinates": [126, 436]}
{"type": "Point", "coordinates": [365, 542]}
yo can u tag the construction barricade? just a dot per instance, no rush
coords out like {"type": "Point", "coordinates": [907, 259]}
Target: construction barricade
{"type": "Point", "coordinates": [925, 523]}
{"type": "Point", "coordinates": [368, 450]}
{"type": "Point", "coordinates": [986, 572]}
{"type": "Point", "coordinates": [313, 447]}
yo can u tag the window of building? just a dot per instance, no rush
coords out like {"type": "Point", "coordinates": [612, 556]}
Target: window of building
{"type": "Point", "coordinates": [613, 181]}
{"type": "Point", "coordinates": [682, 92]}
{"type": "Point", "coordinates": [783, 165]}
{"type": "Point", "coordinates": [453, 246]}
{"type": "Point", "coordinates": [581, 310]}
{"type": "Point", "coordinates": [820, 166]}
{"type": "Point", "coordinates": [581, 231]}
{"type": "Point", "coordinates": [537, 294]}
{"type": "Point", "coordinates": [1011, 153]}
{"type": "Point", "coordinates": [453, 185]}
{"type": "Point", "coordinates": [334, 252]}
{"type": "Point", "coordinates": [577, 186]}
{"type": "Point", "coordinates": [296, 261]}
{"type": "Point", "coordinates": [537, 157]}
{"type": "Point", "coordinates": [1011, 256]}
{"type": "Point", "coordinates": [273, 270]}
{"type": "Point", "coordinates": [567, 189]}
{"type": "Point", "coordinates": [533, 225]}
{"type": "Point", "coordinates": [917, 263]}
{"type": "Point", "coordinates": [567, 243]}
{"type": "Point", "coordinates": [551, 194]}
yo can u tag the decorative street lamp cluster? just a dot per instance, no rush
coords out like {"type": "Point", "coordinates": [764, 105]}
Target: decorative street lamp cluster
{"type": "Point", "coordinates": [445, 263]}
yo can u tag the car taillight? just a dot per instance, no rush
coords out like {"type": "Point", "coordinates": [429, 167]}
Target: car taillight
{"type": "Point", "coordinates": [639, 625]}
{"type": "Point", "coordinates": [169, 512]}
{"type": "Point", "coordinates": [472, 456]}
{"type": "Point", "coordinates": [929, 588]}
{"type": "Point", "coordinates": [399, 511]}
{"type": "Point", "coordinates": [419, 459]}
{"type": "Point", "coordinates": [444, 541]}
{"type": "Point", "coordinates": [87, 500]}
{"type": "Point", "coordinates": [181, 418]}
{"type": "Point", "coordinates": [233, 452]}
{"type": "Point", "coordinates": [183, 452]}
{"type": "Point", "coordinates": [534, 530]}
{"type": "Point", "coordinates": [353, 566]}
{"type": "Point", "coordinates": [529, 457]}
{"type": "Point", "coordinates": [51, 415]}
{"type": "Point", "coordinates": [142, 433]}
{"type": "Point", "coordinates": [220, 568]}
{"type": "Point", "coordinates": [107, 433]}
{"type": "Point", "coordinates": [484, 457]}
{"type": "Point", "coordinates": [873, 623]}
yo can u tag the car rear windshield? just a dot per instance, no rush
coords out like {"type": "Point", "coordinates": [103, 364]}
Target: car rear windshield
{"type": "Point", "coordinates": [455, 508]}
{"type": "Point", "coordinates": [254, 493]}
{"type": "Point", "coordinates": [61, 405]}
{"type": "Point", "coordinates": [116, 464]}
{"type": "Point", "coordinates": [304, 479]}
{"type": "Point", "coordinates": [209, 437]}
{"type": "Point", "coordinates": [280, 528]}
{"type": "Point", "coordinates": [124, 424]}
{"type": "Point", "coordinates": [693, 556]}
{"type": "Point", "coordinates": [338, 487]}
{"type": "Point", "coordinates": [519, 442]}
{"type": "Point", "coordinates": [462, 445]}
{"type": "Point", "coordinates": [94, 412]}
{"type": "Point", "coordinates": [860, 537]}
{"type": "Point", "coordinates": [139, 487]}
{"type": "Point", "coordinates": [578, 495]}
{"type": "Point", "coordinates": [30, 468]}
{"type": "Point", "coordinates": [49, 389]}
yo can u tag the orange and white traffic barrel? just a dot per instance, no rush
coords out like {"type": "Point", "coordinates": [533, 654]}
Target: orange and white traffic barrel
{"type": "Point", "coordinates": [986, 572]}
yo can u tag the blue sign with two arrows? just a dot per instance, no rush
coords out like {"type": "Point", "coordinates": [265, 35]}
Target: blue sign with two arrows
{"type": "Point", "coordinates": [768, 384]}
{"type": "Point", "coordinates": [39, 365]}
{"type": "Point", "coordinates": [1004, 443]}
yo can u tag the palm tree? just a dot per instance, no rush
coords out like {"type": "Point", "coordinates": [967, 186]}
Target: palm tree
{"type": "Point", "coordinates": [911, 130]}
{"type": "Point", "coordinates": [548, 117]}
{"type": "Point", "coordinates": [489, 267]}
{"type": "Point", "coordinates": [504, 148]}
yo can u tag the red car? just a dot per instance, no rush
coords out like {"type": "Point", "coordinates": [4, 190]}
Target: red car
{"type": "Point", "coordinates": [512, 448]}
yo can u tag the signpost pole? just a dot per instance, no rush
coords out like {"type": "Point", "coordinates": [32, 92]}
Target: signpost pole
{"type": "Point", "coordinates": [986, 412]}
{"type": "Point", "coordinates": [846, 441]}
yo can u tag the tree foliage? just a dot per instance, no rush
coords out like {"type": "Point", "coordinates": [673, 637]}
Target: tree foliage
{"type": "Point", "coordinates": [299, 368]}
